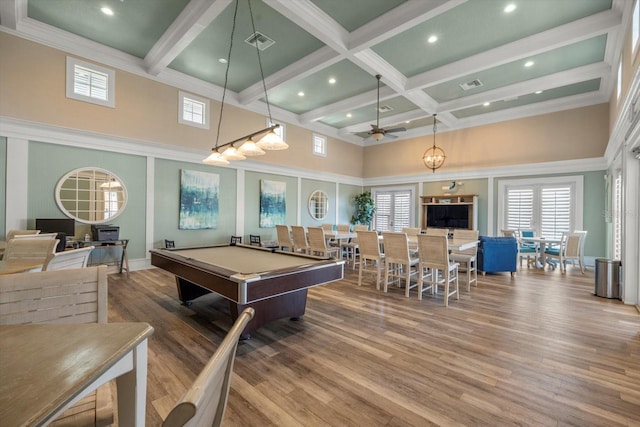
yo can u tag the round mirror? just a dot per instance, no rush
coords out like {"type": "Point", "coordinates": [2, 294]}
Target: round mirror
{"type": "Point", "coordinates": [91, 195]}
{"type": "Point", "coordinates": [318, 205]}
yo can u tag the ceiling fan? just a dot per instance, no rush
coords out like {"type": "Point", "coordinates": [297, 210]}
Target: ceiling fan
{"type": "Point", "coordinates": [376, 131]}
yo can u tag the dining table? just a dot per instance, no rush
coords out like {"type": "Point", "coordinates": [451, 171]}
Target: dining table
{"type": "Point", "coordinates": [46, 368]}
{"type": "Point", "coordinates": [454, 244]}
{"type": "Point", "coordinates": [542, 243]}
{"type": "Point", "coordinates": [20, 265]}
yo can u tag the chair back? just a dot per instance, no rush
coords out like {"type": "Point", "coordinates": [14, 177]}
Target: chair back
{"type": "Point", "coordinates": [434, 251]}
{"type": "Point", "coordinates": [67, 296]}
{"type": "Point", "coordinates": [583, 237]}
{"type": "Point", "coordinates": [235, 240]}
{"type": "Point", "coordinates": [327, 227]}
{"type": "Point", "coordinates": [437, 232]}
{"type": "Point", "coordinates": [368, 244]}
{"type": "Point", "coordinates": [361, 227]}
{"type": "Point", "coordinates": [39, 236]}
{"type": "Point", "coordinates": [13, 233]}
{"type": "Point", "coordinates": [299, 238]}
{"type": "Point", "coordinates": [344, 228]}
{"type": "Point", "coordinates": [396, 247]}
{"type": "Point", "coordinates": [317, 242]}
{"type": "Point", "coordinates": [572, 245]}
{"type": "Point", "coordinates": [466, 235]}
{"type": "Point", "coordinates": [510, 233]}
{"type": "Point", "coordinates": [254, 240]}
{"type": "Point", "coordinates": [206, 400]}
{"type": "Point", "coordinates": [169, 244]}
{"type": "Point", "coordinates": [28, 249]}
{"type": "Point", "coordinates": [411, 231]}
{"type": "Point", "coordinates": [284, 238]}
{"type": "Point", "coordinates": [76, 258]}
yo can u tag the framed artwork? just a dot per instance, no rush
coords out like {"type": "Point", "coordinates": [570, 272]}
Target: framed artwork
{"type": "Point", "coordinates": [198, 200]}
{"type": "Point", "coordinates": [273, 207]}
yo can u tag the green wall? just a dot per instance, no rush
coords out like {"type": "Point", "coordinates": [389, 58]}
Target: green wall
{"type": "Point", "coordinates": [308, 186]}
{"type": "Point", "coordinates": [49, 162]}
{"type": "Point", "coordinates": [346, 202]}
{"type": "Point", "coordinates": [252, 203]}
{"type": "Point", "coordinates": [3, 186]}
{"type": "Point", "coordinates": [167, 205]}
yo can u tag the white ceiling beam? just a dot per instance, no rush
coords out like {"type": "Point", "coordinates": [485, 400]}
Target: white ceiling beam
{"type": "Point", "coordinates": [398, 20]}
{"type": "Point", "coordinates": [12, 12]}
{"type": "Point", "coordinates": [563, 35]}
{"type": "Point", "coordinates": [385, 121]}
{"type": "Point", "coordinates": [348, 104]}
{"type": "Point", "coordinates": [193, 19]}
{"type": "Point", "coordinates": [550, 81]}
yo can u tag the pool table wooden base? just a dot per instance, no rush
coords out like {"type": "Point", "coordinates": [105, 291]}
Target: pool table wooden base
{"type": "Point", "coordinates": [291, 305]}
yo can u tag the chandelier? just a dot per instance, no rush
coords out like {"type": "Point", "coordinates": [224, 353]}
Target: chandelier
{"type": "Point", "coordinates": [434, 157]}
{"type": "Point", "coordinates": [221, 154]}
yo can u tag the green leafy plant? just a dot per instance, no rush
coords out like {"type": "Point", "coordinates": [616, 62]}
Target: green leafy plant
{"type": "Point", "coordinates": [365, 208]}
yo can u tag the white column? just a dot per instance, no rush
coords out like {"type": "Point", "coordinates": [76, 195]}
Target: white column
{"type": "Point", "coordinates": [17, 174]}
{"type": "Point", "coordinates": [240, 179]}
{"type": "Point", "coordinates": [150, 220]}
{"type": "Point", "coordinates": [490, 199]}
{"type": "Point", "coordinates": [630, 291]}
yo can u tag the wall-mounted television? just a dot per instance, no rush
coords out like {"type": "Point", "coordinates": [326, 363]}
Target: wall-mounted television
{"type": "Point", "coordinates": [445, 215]}
{"type": "Point", "coordinates": [57, 225]}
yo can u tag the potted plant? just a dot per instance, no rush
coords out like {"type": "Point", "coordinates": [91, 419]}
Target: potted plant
{"type": "Point", "coordinates": [365, 207]}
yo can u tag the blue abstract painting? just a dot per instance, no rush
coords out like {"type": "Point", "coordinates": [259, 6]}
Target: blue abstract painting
{"type": "Point", "coordinates": [198, 200]}
{"type": "Point", "coordinates": [273, 207]}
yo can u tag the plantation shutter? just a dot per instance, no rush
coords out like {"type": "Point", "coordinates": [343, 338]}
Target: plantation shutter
{"type": "Point", "coordinates": [555, 211]}
{"type": "Point", "coordinates": [519, 209]}
{"type": "Point", "coordinates": [393, 210]}
{"type": "Point", "coordinates": [90, 83]}
{"type": "Point", "coordinates": [617, 217]}
{"type": "Point", "coordinates": [193, 111]}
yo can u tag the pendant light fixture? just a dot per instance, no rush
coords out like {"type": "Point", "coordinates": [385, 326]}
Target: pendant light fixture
{"type": "Point", "coordinates": [433, 157]}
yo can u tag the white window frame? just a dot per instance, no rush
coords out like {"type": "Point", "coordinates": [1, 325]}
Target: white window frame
{"type": "Point", "coordinates": [319, 145]}
{"type": "Point", "coordinates": [616, 214]}
{"type": "Point", "coordinates": [412, 202]}
{"type": "Point", "coordinates": [205, 115]}
{"type": "Point", "coordinates": [72, 63]}
{"type": "Point", "coordinates": [280, 131]}
{"type": "Point", "coordinates": [577, 195]}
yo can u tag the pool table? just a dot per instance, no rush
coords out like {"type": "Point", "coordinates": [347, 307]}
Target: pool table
{"type": "Point", "coordinates": [273, 282]}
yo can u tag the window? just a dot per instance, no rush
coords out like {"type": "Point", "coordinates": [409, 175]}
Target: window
{"type": "Point", "coordinates": [193, 110]}
{"type": "Point", "coordinates": [393, 209]}
{"type": "Point", "coordinates": [635, 26]}
{"type": "Point", "coordinates": [319, 145]}
{"type": "Point", "coordinates": [90, 83]}
{"type": "Point", "coordinates": [550, 206]}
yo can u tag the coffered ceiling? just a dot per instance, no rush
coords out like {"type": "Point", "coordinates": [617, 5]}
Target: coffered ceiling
{"type": "Point", "coordinates": [487, 64]}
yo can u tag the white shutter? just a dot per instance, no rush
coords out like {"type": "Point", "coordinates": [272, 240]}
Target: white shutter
{"type": "Point", "coordinates": [401, 210]}
{"type": "Point", "coordinates": [383, 211]}
{"type": "Point", "coordinates": [90, 83]}
{"type": "Point", "coordinates": [193, 111]}
{"type": "Point", "coordinates": [393, 210]}
{"type": "Point", "coordinates": [519, 209]}
{"type": "Point", "coordinates": [555, 211]}
{"type": "Point", "coordinates": [617, 217]}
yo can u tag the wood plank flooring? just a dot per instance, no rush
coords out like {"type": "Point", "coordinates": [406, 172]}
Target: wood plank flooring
{"type": "Point", "coordinates": [539, 349]}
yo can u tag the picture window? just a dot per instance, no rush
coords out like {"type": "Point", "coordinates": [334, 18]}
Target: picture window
{"type": "Point", "coordinates": [90, 83]}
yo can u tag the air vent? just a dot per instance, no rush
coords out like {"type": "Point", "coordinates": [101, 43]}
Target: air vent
{"type": "Point", "coordinates": [259, 39]}
{"type": "Point", "coordinates": [470, 85]}
{"type": "Point", "coordinates": [385, 108]}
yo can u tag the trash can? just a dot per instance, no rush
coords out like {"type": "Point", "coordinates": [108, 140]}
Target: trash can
{"type": "Point", "coordinates": [608, 278]}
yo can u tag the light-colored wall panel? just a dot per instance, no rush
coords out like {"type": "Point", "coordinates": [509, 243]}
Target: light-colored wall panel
{"type": "Point", "coordinates": [566, 135]}
{"type": "Point", "coordinates": [346, 202]}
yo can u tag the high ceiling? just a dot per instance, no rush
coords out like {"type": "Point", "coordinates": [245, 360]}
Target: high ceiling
{"type": "Point", "coordinates": [572, 47]}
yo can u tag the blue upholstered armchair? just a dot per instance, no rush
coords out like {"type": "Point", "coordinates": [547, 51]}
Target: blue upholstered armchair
{"type": "Point", "coordinates": [497, 254]}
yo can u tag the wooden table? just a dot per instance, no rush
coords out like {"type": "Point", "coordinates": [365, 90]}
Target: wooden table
{"type": "Point", "coordinates": [454, 244]}
{"type": "Point", "coordinates": [46, 368]}
{"type": "Point", "coordinates": [542, 242]}
{"type": "Point", "coordinates": [19, 265]}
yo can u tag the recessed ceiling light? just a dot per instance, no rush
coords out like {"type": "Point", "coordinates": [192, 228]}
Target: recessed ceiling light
{"type": "Point", "coordinates": [222, 60]}
{"type": "Point", "coordinates": [408, 121]}
{"type": "Point", "coordinates": [432, 39]}
{"type": "Point", "coordinates": [300, 93]}
{"type": "Point", "coordinates": [538, 92]}
{"type": "Point", "coordinates": [509, 8]}
{"type": "Point", "coordinates": [106, 11]}
{"type": "Point", "coordinates": [332, 81]}
{"type": "Point", "coordinates": [528, 63]}
{"type": "Point", "coordinates": [349, 115]}
{"type": "Point", "coordinates": [486, 104]}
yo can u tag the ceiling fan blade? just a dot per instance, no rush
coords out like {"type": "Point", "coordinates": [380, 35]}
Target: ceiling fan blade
{"type": "Point", "coordinates": [387, 135]}
{"type": "Point", "coordinates": [395, 130]}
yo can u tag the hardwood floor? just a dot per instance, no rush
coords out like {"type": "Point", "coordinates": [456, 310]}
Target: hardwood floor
{"type": "Point", "coordinates": [535, 350]}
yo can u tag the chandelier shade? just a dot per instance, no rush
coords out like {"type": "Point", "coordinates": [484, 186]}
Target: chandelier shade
{"type": "Point", "coordinates": [250, 148]}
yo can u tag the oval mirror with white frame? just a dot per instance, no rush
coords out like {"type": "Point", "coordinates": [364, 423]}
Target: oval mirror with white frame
{"type": "Point", "coordinates": [318, 205]}
{"type": "Point", "coordinates": [91, 195]}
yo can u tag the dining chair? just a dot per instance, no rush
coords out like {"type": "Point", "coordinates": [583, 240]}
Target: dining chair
{"type": "Point", "coordinates": [434, 255]}
{"type": "Point", "coordinates": [284, 238]}
{"type": "Point", "coordinates": [76, 258]}
{"type": "Point", "coordinates": [527, 249]}
{"type": "Point", "coordinates": [371, 259]}
{"type": "Point", "coordinates": [509, 233]}
{"type": "Point", "coordinates": [411, 231]}
{"type": "Point", "coordinates": [350, 247]}
{"type": "Point", "coordinates": [254, 240]}
{"type": "Point", "coordinates": [326, 226]}
{"type": "Point", "coordinates": [39, 236]}
{"type": "Point", "coordinates": [583, 237]}
{"type": "Point", "coordinates": [235, 240]}
{"type": "Point", "coordinates": [28, 249]}
{"type": "Point", "coordinates": [467, 259]}
{"type": "Point", "coordinates": [66, 296]}
{"type": "Point", "coordinates": [12, 233]}
{"type": "Point", "coordinates": [437, 232]}
{"type": "Point", "coordinates": [169, 244]}
{"type": "Point", "coordinates": [569, 250]}
{"type": "Point", "coordinates": [318, 244]}
{"type": "Point", "coordinates": [205, 402]}
{"type": "Point", "coordinates": [398, 261]}
{"type": "Point", "coordinates": [300, 243]}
